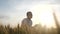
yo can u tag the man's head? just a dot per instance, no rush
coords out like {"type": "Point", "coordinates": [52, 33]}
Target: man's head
{"type": "Point", "coordinates": [29, 15]}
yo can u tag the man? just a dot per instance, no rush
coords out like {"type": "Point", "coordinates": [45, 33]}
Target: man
{"type": "Point", "coordinates": [27, 23]}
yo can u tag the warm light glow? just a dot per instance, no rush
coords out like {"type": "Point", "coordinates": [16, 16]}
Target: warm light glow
{"type": "Point", "coordinates": [43, 14]}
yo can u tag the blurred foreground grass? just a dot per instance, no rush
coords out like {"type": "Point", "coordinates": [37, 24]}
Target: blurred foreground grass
{"type": "Point", "coordinates": [37, 29]}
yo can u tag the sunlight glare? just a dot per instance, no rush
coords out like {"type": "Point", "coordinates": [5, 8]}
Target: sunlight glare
{"type": "Point", "coordinates": [43, 14]}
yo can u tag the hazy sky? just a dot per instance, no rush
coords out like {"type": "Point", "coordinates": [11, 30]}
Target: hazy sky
{"type": "Point", "coordinates": [13, 11]}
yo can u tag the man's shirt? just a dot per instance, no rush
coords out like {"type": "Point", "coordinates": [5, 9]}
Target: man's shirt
{"type": "Point", "coordinates": [27, 22]}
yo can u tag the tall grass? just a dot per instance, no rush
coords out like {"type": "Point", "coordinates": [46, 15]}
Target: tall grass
{"type": "Point", "coordinates": [27, 30]}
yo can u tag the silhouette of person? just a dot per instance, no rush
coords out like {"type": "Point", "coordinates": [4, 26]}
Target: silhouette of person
{"type": "Point", "coordinates": [27, 21]}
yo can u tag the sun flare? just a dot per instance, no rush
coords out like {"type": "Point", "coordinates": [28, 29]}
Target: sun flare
{"type": "Point", "coordinates": [43, 15]}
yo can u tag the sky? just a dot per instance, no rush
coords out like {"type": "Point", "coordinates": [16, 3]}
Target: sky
{"type": "Point", "coordinates": [14, 11]}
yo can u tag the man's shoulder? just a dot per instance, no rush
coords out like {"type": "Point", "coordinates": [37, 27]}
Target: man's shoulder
{"type": "Point", "coordinates": [25, 19]}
